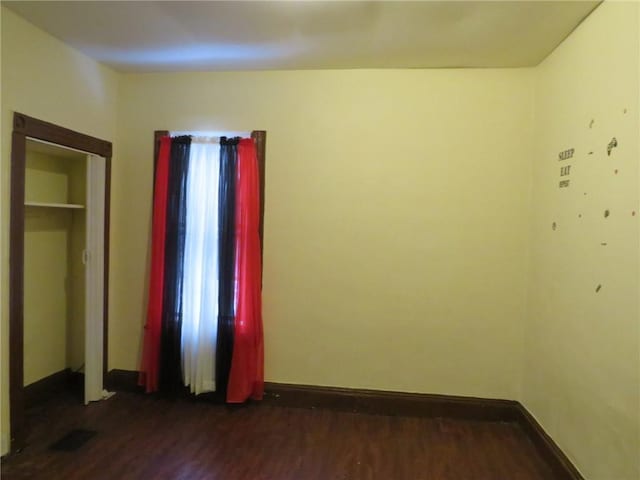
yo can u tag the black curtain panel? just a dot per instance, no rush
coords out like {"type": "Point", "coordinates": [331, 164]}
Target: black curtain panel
{"type": "Point", "coordinates": [226, 218]}
{"type": "Point", "coordinates": [170, 375]}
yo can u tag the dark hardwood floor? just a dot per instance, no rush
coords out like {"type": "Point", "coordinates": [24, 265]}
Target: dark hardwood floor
{"type": "Point", "coordinates": [144, 437]}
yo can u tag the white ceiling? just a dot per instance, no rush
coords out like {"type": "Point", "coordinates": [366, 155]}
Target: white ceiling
{"type": "Point", "coordinates": [145, 36]}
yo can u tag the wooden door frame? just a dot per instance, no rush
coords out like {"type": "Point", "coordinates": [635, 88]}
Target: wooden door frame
{"type": "Point", "coordinates": [27, 127]}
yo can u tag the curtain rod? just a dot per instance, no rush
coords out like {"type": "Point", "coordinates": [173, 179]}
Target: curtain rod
{"type": "Point", "coordinates": [210, 133]}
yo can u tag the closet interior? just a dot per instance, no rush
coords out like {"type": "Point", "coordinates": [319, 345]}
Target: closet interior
{"type": "Point", "coordinates": [54, 272]}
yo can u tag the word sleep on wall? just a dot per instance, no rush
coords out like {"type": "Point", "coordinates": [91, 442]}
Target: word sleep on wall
{"type": "Point", "coordinates": [566, 169]}
{"type": "Point", "coordinates": [566, 154]}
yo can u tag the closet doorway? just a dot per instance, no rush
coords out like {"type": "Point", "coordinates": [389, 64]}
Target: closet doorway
{"type": "Point", "coordinates": [58, 268]}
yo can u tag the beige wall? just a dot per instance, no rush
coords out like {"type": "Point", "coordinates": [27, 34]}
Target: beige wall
{"type": "Point", "coordinates": [43, 78]}
{"type": "Point", "coordinates": [392, 260]}
{"type": "Point", "coordinates": [582, 375]}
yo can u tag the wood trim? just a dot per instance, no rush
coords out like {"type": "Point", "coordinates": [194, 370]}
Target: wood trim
{"type": "Point", "coordinates": [550, 452]}
{"type": "Point", "coordinates": [260, 139]}
{"type": "Point", "coordinates": [49, 132]}
{"type": "Point", "coordinates": [390, 403]}
{"type": "Point", "coordinates": [16, 290]}
{"type": "Point", "coordinates": [23, 127]}
{"type": "Point", "coordinates": [41, 390]}
{"type": "Point", "coordinates": [123, 381]}
{"type": "Point", "coordinates": [157, 135]}
{"type": "Point", "coordinates": [361, 401]}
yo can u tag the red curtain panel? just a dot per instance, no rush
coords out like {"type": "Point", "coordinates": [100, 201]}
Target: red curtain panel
{"type": "Point", "coordinates": [151, 348]}
{"type": "Point", "coordinates": [246, 378]}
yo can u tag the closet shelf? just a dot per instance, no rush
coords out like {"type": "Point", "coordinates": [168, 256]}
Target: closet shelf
{"type": "Point", "coordinates": [53, 205]}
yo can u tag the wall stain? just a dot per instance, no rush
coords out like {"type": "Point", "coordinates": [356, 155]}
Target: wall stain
{"type": "Point", "coordinates": [598, 288]}
{"type": "Point", "coordinates": [612, 144]}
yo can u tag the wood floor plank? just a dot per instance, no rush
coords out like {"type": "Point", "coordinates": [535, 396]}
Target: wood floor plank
{"type": "Point", "coordinates": [145, 437]}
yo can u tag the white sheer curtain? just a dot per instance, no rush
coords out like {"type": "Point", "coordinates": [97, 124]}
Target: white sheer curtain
{"type": "Point", "coordinates": [200, 288]}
